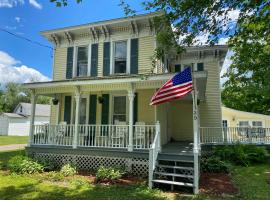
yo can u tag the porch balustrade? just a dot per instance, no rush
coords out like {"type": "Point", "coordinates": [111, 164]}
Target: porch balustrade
{"type": "Point", "coordinates": [244, 135]}
{"type": "Point", "coordinates": [105, 136]}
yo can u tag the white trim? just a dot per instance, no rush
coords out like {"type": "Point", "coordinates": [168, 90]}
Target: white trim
{"type": "Point", "coordinates": [111, 110]}
{"type": "Point", "coordinates": [89, 59]}
{"type": "Point", "coordinates": [250, 121]}
{"type": "Point", "coordinates": [74, 71]}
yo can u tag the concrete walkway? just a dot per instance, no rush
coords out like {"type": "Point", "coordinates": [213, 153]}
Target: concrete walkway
{"type": "Point", "coordinates": [12, 147]}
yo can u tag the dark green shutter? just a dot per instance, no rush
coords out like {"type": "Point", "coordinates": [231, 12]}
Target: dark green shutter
{"type": "Point", "coordinates": [134, 56]}
{"type": "Point", "coordinates": [106, 59]}
{"type": "Point", "coordinates": [67, 109]}
{"type": "Point", "coordinates": [177, 68]}
{"type": "Point", "coordinates": [135, 111]}
{"type": "Point", "coordinates": [200, 67]}
{"type": "Point", "coordinates": [69, 69]}
{"type": "Point", "coordinates": [105, 109]}
{"type": "Point", "coordinates": [94, 59]}
{"type": "Point", "coordinates": [92, 109]}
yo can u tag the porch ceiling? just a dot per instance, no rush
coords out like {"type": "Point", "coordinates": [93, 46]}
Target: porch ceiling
{"type": "Point", "coordinates": [112, 83]}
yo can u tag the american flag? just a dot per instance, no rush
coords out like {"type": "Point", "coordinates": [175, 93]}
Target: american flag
{"type": "Point", "coordinates": [178, 86]}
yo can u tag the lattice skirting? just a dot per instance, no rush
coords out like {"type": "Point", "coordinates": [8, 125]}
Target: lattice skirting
{"type": "Point", "coordinates": [135, 166]}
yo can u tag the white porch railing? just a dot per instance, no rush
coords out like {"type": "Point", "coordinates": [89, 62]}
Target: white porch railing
{"type": "Point", "coordinates": [153, 154]}
{"type": "Point", "coordinates": [106, 136]}
{"type": "Point", "coordinates": [245, 135]}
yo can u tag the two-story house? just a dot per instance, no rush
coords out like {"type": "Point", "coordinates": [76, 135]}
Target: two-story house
{"type": "Point", "coordinates": [103, 80]}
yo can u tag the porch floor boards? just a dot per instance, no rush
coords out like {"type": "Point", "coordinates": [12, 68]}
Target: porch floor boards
{"type": "Point", "coordinates": [178, 148]}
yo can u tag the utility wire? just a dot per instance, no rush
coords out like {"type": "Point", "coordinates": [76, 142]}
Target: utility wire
{"type": "Point", "coordinates": [26, 39]}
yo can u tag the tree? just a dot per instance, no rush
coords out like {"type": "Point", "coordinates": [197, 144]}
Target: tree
{"type": "Point", "coordinates": [13, 94]}
{"type": "Point", "coordinates": [247, 87]}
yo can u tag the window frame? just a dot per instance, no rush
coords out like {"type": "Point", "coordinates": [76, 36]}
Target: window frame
{"type": "Point", "coordinates": [112, 106]}
{"type": "Point", "coordinates": [75, 61]}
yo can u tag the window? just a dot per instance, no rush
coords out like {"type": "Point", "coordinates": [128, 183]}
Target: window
{"type": "Point", "coordinates": [119, 108]}
{"type": "Point", "coordinates": [224, 123]}
{"type": "Point", "coordinates": [83, 111]}
{"type": "Point", "coordinates": [120, 57]}
{"type": "Point", "coordinates": [257, 124]}
{"type": "Point", "coordinates": [82, 61]}
{"type": "Point", "coordinates": [200, 67]}
{"type": "Point", "coordinates": [177, 68]}
{"type": "Point", "coordinates": [243, 124]}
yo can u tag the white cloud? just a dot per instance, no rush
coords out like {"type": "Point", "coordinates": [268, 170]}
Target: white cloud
{"type": "Point", "coordinates": [223, 40]}
{"type": "Point", "coordinates": [17, 19]}
{"type": "Point", "coordinates": [11, 70]}
{"type": "Point", "coordinates": [10, 3]}
{"type": "Point", "coordinates": [35, 4]}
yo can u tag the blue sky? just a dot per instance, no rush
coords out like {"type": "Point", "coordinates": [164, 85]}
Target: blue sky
{"type": "Point", "coordinates": [28, 17]}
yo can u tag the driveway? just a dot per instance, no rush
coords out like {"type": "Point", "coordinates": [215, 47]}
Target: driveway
{"type": "Point", "coordinates": [12, 147]}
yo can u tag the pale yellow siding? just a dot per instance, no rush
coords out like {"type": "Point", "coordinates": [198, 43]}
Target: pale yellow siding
{"type": "Point", "coordinates": [234, 116]}
{"type": "Point", "coordinates": [210, 109]}
{"type": "Point", "coordinates": [181, 121]}
{"type": "Point", "coordinates": [100, 59]}
{"type": "Point", "coordinates": [146, 52]}
{"type": "Point", "coordinates": [146, 113]}
{"type": "Point", "coordinates": [53, 116]}
{"type": "Point", "coordinates": [60, 60]}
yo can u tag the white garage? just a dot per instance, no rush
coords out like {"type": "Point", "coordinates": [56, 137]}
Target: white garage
{"type": "Point", "coordinates": [18, 122]}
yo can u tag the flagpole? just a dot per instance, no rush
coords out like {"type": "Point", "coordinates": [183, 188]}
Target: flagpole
{"type": "Point", "coordinates": [195, 136]}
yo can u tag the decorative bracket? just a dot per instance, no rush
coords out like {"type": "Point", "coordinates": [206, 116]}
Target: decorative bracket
{"type": "Point", "coordinates": [94, 33]}
{"type": "Point", "coordinates": [55, 39]}
{"type": "Point", "coordinates": [69, 37]}
{"type": "Point", "coordinates": [134, 28]}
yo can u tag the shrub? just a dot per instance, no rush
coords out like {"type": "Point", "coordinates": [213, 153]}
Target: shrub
{"type": "Point", "coordinates": [49, 165]}
{"type": "Point", "coordinates": [54, 176]}
{"type": "Point", "coordinates": [23, 164]}
{"type": "Point", "coordinates": [68, 170]}
{"type": "Point", "coordinates": [214, 164]}
{"type": "Point", "coordinates": [241, 154]}
{"type": "Point", "coordinates": [108, 174]}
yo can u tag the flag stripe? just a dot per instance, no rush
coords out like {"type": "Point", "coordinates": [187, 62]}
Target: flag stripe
{"type": "Point", "coordinates": [178, 86]}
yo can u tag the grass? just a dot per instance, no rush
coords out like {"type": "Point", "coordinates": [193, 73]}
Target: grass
{"type": "Point", "coordinates": [6, 140]}
{"type": "Point", "coordinates": [253, 183]}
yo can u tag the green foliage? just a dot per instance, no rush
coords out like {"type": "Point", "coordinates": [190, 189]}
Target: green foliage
{"type": "Point", "coordinates": [54, 176]}
{"type": "Point", "coordinates": [108, 174]}
{"type": "Point", "coordinates": [214, 164]}
{"type": "Point", "coordinates": [24, 165]}
{"type": "Point", "coordinates": [68, 170]}
{"type": "Point", "coordinates": [13, 93]}
{"type": "Point", "coordinates": [241, 154]}
{"type": "Point", "coordinates": [48, 164]}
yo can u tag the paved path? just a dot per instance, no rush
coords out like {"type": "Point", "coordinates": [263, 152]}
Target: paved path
{"type": "Point", "coordinates": [12, 147]}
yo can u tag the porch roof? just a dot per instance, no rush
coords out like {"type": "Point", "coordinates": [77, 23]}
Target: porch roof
{"type": "Point", "coordinates": [115, 82]}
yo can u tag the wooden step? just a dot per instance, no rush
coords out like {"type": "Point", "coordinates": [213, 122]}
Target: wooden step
{"type": "Point", "coordinates": [175, 167]}
{"type": "Point", "coordinates": [173, 183]}
{"type": "Point", "coordinates": [175, 175]}
{"type": "Point", "coordinates": [175, 158]}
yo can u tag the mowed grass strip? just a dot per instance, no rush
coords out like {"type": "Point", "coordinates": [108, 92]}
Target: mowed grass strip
{"type": "Point", "coordinates": [7, 140]}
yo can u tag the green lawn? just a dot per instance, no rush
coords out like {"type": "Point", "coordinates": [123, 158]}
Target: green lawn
{"type": "Point", "coordinates": [6, 140]}
{"type": "Point", "coordinates": [253, 183]}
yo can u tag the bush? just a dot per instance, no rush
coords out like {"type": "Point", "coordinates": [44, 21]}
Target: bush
{"type": "Point", "coordinates": [49, 165]}
{"type": "Point", "coordinates": [241, 154]}
{"type": "Point", "coordinates": [108, 174]}
{"type": "Point", "coordinates": [54, 176]}
{"type": "Point", "coordinates": [23, 164]}
{"type": "Point", "coordinates": [214, 164]}
{"type": "Point", "coordinates": [68, 170]}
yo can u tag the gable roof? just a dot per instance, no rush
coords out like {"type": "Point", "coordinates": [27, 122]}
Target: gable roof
{"type": "Point", "coordinates": [244, 112]}
{"type": "Point", "coordinates": [13, 115]}
{"type": "Point", "coordinates": [42, 110]}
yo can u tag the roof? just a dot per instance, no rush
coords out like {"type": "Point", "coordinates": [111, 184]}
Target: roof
{"type": "Point", "coordinates": [42, 110]}
{"type": "Point", "coordinates": [103, 22]}
{"type": "Point", "coordinates": [244, 112]}
{"type": "Point", "coordinates": [13, 115]}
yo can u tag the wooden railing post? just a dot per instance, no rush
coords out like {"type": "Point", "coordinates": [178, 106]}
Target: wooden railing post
{"type": "Point", "coordinates": [159, 135]}
{"type": "Point", "coordinates": [151, 171]}
{"type": "Point", "coordinates": [32, 118]}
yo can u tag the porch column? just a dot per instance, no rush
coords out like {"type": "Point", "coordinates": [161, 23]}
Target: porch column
{"type": "Point", "coordinates": [77, 117]}
{"type": "Point", "coordinates": [32, 118]}
{"type": "Point", "coordinates": [195, 141]}
{"type": "Point", "coordinates": [131, 96]}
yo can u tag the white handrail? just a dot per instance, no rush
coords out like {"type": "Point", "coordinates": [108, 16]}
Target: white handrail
{"type": "Point", "coordinates": [153, 154]}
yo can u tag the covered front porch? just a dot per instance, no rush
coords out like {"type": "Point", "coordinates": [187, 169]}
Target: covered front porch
{"type": "Point", "coordinates": [110, 113]}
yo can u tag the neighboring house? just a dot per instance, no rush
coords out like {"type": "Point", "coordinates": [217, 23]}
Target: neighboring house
{"type": "Point", "coordinates": [18, 122]}
{"type": "Point", "coordinates": [237, 118]}
{"type": "Point", "coordinates": [103, 80]}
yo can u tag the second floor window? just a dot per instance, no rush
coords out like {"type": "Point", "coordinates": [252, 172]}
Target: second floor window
{"type": "Point", "coordinates": [82, 61]}
{"type": "Point", "coordinates": [120, 57]}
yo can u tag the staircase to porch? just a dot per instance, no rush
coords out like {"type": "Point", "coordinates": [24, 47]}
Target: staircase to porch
{"type": "Point", "coordinates": [174, 167]}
